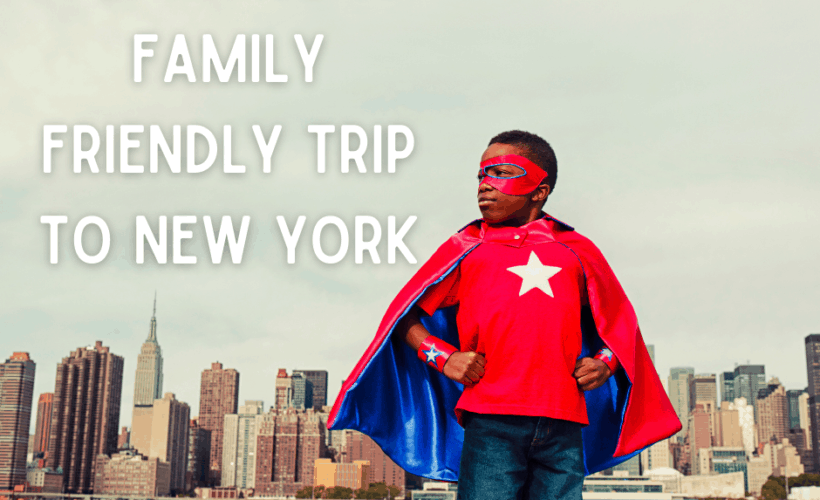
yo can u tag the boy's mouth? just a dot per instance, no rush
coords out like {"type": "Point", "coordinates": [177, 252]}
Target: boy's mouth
{"type": "Point", "coordinates": [485, 200]}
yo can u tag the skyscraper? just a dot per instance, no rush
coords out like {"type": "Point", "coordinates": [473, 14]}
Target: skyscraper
{"type": "Point", "coordinates": [284, 390]}
{"type": "Point", "coordinates": [805, 417]}
{"type": "Point", "coordinates": [310, 445]}
{"type": "Point", "coordinates": [266, 475]}
{"type": "Point", "coordinates": [360, 446]}
{"type": "Point", "coordinates": [806, 452]}
{"type": "Point", "coordinates": [727, 431]}
{"type": "Point", "coordinates": [169, 437]}
{"type": "Point", "coordinates": [749, 379]}
{"type": "Point", "coordinates": [813, 371]}
{"type": "Point", "coordinates": [147, 387]}
{"type": "Point", "coordinates": [680, 379]}
{"type": "Point", "coordinates": [793, 397]}
{"type": "Point", "coordinates": [288, 443]}
{"type": "Point", "coordinates": [302, 391]}
{"type": "Point", "coordinates": [16, 392]}
{"type": "Point", "coordinates": [727, 387]}
{"type": "Point", "coordinates": [42, 429]}
{"type": "Point", "coordinates": [285, 451]}
{"type": "Point", "coordinates": [199, 455]}
{"type": "Point", "coordinates": [239, 445]}
{"type": "Point", "coordinates": [813, 363]}
{"type": "Point", "coordinates": [218, 396]}
{"type": "Point", "coordinates": [700, 433]}
{"type": "Point", "coordinates": [318, 383]}
{"type": "Point", "coordinates": [86, 414]}
{"type": "Point", "coordinates": [773, 408]}
{"type": "Point", "coordinates": [703, 389]}
{"type": "Point", "coordinates": [148, 384]}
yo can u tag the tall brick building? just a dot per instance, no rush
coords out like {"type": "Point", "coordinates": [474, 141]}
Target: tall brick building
{"type": "Point", "coordinates": [86, 414]}
{"type": "Point", "coordinates": [284, 452]}
{"type": "Point", "coordinates": [700, 432]}
{"type": "Point", "coordinates": [16, 392]}
{"type": "Point", "coordinates": [218, 396]}
{"type": "Point", "coordinates": [265, 448]}
{"type": "Point", "coordinates": [359, 446]}
{"type": "Point", "coordinates": [42, 429]}
{"type": "Point", "coordinates": [288, 443]}
{"type": "Point", "coordinates": [311, 445]}
{"type": "Point", "coordinates": [773, 412]}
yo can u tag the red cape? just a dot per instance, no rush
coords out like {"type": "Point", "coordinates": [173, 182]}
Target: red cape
{"type": "Point", "coordinates": [403, 404]}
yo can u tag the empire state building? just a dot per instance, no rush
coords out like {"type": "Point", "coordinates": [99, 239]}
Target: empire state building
{"type": "Point", "coordinates": [147, 387]}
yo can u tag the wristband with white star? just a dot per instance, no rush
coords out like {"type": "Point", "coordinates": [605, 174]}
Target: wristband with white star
{"type": "Point", "coordinates": [608, 358]}
{"type": "Point", "coordinates": [435, 352]}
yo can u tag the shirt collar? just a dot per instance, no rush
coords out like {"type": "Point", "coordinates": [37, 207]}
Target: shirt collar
{"type": "Point", "coordinates": [537, 231]}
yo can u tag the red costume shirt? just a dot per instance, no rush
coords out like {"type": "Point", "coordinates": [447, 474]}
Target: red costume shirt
{"type": "Point", "coordinates": [519, 300]}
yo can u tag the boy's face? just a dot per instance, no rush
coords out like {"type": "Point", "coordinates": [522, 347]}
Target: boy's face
{"type": "Point", "coordinates": [497, 207]}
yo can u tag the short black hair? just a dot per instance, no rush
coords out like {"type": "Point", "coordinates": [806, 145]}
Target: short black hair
{"type": "Point", "coordinates": [536, 149]}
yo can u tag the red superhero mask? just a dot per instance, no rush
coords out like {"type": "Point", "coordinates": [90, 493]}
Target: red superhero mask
{"type": "Point", "coordinates": [518, 185]}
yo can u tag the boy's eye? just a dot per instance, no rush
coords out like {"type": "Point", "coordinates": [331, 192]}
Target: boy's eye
{"type": "Point", "coordinates": [500, 172]}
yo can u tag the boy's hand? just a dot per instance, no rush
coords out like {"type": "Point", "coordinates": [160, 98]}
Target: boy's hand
{"type": "Point", "coordinates": [465, 367]}
{"type": "Point", "coordinates": [590, 373]}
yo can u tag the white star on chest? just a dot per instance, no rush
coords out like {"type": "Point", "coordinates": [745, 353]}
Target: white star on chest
{"type": "Point", "coordinates": [535, 275]}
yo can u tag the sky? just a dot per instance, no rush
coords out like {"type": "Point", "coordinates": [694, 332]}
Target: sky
{"type": "Point", "coordinates": [685, 132]}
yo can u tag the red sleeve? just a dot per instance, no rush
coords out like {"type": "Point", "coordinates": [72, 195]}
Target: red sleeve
{"type": "Point", "coordinates": [442, 294]}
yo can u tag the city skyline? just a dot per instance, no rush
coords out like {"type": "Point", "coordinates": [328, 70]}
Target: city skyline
{"type": "Point", "coordinates": [191, 397]}
{"type": "Point", "coordinates": [782, 415]}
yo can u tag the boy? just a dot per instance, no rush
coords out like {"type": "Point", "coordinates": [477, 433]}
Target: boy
{"type": "Point", "coordinates": [528, 301]}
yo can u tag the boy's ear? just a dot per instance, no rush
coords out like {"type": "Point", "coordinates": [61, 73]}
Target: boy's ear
{"type": "Point", "coordinates": [541, 193]}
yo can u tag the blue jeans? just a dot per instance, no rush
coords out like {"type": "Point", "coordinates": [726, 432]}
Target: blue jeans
{"type": "Point", "coordinates": [508, 457]}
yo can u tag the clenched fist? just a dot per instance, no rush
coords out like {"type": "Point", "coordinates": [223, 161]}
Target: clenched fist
{"type": "Point", "coordinates": [590, 373]}
{"type": "Point", "coordinates": [465, 367]}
